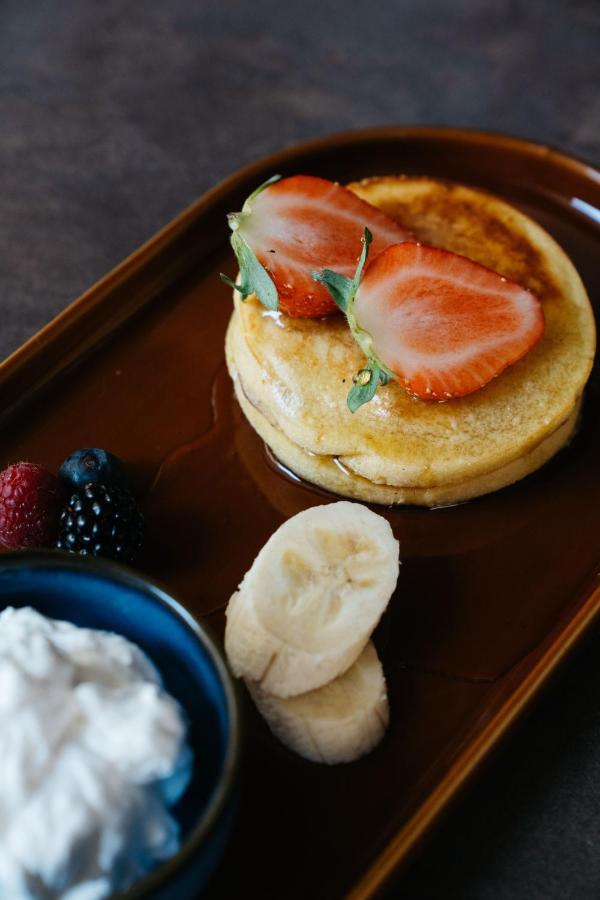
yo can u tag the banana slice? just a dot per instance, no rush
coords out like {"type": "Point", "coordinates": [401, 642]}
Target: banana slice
{"type": "Point", "coordinates": [336, 723]}
{"type": "Point", "coordinates": [310, 601]}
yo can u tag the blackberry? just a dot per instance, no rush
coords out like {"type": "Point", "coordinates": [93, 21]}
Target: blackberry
{"type": "Point", "coordinates": [101, 520]}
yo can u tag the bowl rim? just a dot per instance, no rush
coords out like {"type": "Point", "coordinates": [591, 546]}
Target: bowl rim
{"type": "Point", "coordinates": [223, 789]}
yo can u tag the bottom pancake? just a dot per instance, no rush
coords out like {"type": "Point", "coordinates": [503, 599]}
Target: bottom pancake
{"type": "Point", "coordinates": [329, 473]}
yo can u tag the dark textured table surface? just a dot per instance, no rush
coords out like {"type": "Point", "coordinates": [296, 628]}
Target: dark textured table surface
{"type": "Point", "coordinates": [115, 115]}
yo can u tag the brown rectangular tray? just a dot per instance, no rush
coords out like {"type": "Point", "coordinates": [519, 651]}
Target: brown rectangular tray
{"type": "Point", "coordinates": [492, 593]}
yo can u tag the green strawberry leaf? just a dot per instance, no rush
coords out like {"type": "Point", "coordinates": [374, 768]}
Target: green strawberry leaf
{"type": "Point", "coordinates": [343, 290]}
{"type": "Point", "coordinates": [366, 382]}
{"type": "Point", "coordinates": [254, 278]}
{"type": "Point", "coordinates": [236, 218]}
{"type": "Point", "coordinates": [367, 240]}
{"type": "Point", "coordinates": [247, 207]}
{"type": "Point", "coordinates": [339, 286]}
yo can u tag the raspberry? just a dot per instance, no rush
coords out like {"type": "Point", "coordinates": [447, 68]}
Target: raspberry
{"type": "Point", "coordinates": [101, 520]}
{"type": "Point", "coordinates": [30, 499]}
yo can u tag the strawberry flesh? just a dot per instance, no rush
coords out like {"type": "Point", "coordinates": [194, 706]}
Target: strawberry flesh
{"type": "Point", "coordinates": [302, 224]}
{"type": "Point", "coordinates": [443, 324]}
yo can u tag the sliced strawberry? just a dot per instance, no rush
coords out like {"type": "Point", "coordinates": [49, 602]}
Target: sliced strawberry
{"type": "Point", "coordinates": [298, 225]}
{"type": "Point", "coordinates": [441, 324]}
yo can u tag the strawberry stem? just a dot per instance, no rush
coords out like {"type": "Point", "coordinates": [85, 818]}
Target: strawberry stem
{"type": "Point", "coordinates": [343, 290]}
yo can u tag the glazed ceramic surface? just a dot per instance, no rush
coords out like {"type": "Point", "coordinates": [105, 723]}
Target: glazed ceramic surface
{"type": "Point", "coordinates": [491, 593]}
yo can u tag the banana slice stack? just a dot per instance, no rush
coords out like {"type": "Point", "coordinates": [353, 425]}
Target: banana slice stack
{"type": "Point", "coordinates": [298, 630]}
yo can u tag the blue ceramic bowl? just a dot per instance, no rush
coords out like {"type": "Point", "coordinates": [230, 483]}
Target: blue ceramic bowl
{"type": "Point", "coordinates": [107, 596]}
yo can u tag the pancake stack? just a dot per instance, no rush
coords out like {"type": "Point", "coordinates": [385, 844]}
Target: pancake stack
{"type": "Point", "coordinates": [292, 376]}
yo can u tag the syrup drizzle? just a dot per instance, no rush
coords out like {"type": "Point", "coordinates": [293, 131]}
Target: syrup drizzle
{"type": "Point", "coordinates": [220, 402]}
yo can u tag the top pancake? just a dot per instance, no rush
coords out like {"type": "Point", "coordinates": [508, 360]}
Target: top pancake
{"type": "Point", "coordinates": [297, 372]}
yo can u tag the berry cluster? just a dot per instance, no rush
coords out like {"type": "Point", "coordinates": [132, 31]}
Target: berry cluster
{"type": "Point", "coordinates": [89, 509]}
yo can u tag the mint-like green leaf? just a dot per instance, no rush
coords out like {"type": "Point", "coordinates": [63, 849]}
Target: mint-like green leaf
{"type": "Point", "coordinates": [365, 385]}
{"type": "Point", "coordinates": [375, 372]}
{"type": "Point", "coordinates": [343, 290]}
{"type": "Point", "coordinates": [248, 203]}
{"type": "Point", "coordinates": [235, 219]}
{"type": "Point", "coordinates": [367, 240]}
{"type": "Point", "coordinates": [229, 281]}
{"type": "Point", "coordinates": [254, 278]}
{"type": "Point", "coordinates": [339, 286]}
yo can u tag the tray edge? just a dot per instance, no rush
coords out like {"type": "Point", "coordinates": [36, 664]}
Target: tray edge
{"type": "Point", "coordinates": [150, 248]}
{"type": "Point", "coordinates": [472, 758]}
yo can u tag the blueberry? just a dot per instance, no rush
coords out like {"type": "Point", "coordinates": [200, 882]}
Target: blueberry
{"type": "Point", "coordinates": [92, 465]}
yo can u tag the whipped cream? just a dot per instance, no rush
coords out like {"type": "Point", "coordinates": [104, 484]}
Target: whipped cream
{"type": "Point", "coordinates": [92, 753]}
